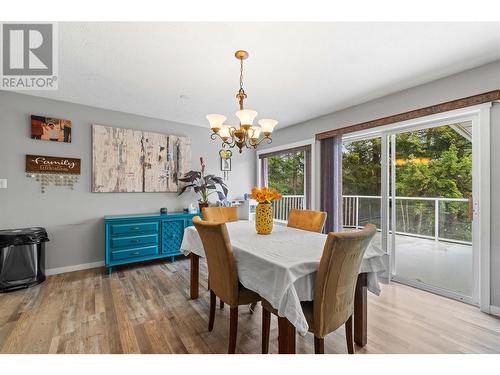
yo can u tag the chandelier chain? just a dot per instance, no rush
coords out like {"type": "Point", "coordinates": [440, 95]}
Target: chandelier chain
{"type": "Point", "coordinates": [241, 74]}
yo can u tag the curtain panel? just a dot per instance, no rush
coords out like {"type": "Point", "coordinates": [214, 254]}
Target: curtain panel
{"type": "Point", "coordinates": [331, 182]}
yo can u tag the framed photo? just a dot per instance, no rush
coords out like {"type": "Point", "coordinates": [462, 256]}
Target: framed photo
{"type": "Point", "coordinates": [225, 164]}
{"type": "Point", "coordinates": [50, 129]}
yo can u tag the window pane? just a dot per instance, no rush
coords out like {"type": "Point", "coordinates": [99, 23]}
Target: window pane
{"type": "Point", "coordinates": [286, 173]}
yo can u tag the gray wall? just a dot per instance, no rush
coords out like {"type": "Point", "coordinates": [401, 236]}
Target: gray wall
{"type": "Point", "coordinates": [74, 218]}
{"type": "Point", "coordinates": [471, 82]}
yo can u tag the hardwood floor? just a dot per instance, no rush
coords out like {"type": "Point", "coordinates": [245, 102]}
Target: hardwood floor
{"type": "Point", "coordinates": [145, 309]}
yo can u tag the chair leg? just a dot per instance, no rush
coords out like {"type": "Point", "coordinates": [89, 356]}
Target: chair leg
{"type": "Point", "coordinates": [233, 329]}
{"type": "Point", "coordinates": [211, 316]}
{"type": "Point", "coordinates": [319, 345]}
{"type": "Point", "coordinates": [266, 327]}
{"type": "Point", "coordinates": [221, 304]}
{"type": "Point", "coordinates": [348, 335]}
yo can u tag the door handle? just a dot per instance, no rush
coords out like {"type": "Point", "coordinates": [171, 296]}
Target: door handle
{"type": "Point", "coordinates": [136, 253]}
{"type": "Point", "coordinates": [136, 241]}
{"type": "Point", "coordinates": [136, 228]}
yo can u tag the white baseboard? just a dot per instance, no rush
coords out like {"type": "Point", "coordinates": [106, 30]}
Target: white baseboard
{"type": "Point", "coordinates": [76, 267]}
{"type": "Point", "coordinates": [495, 310]}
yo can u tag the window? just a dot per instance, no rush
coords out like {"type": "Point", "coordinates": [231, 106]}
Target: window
{"type": "Point", "coordinates": [289, 172]}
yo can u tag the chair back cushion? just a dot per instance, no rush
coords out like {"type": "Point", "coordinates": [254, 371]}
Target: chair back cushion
{"type": "Point", "coordinates": [336, 278]}
{"type": "Point", "coordinates": [220, 214]}
{"type": "Point", "coordinates": [313, 221]}
{"type": "Point", "coordinates": [222, 273]}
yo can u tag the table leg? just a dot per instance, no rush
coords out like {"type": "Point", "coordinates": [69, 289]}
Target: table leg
{"type": "Point", "coordinates": [360, 310]}
{"type": "Point", "coordinates": [286, 336]}
{"type": "Point", "coordinates": [195, 275]}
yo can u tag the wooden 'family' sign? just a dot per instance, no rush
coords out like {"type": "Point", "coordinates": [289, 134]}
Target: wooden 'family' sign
{"type": "Point", "coordinates": [52, 164]}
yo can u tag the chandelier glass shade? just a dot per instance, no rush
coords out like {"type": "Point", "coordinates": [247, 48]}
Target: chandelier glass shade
{"type": "Point", "coordinates": [246, 135]}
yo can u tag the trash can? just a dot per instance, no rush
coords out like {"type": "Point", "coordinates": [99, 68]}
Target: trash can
{"type": "Point", "coordinates": [22, 258]}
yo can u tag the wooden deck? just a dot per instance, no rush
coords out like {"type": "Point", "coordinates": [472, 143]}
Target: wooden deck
{"type": "Point", "coordinates": [145, 309]}
{"type": "Point", "coordinates": [442, 264]}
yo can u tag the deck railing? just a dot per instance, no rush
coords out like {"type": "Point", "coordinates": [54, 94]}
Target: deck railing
{"type": "Point", "coordinates": [285, 204]}
{"type": "Point", "coordinates": [441, 219]}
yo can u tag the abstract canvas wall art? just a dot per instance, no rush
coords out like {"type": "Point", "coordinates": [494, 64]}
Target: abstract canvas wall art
{"type": "Point", "coordinates": [128, 160]}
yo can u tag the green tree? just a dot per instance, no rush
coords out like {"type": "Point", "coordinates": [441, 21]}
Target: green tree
{"type": "Point", "coordinates": [361, 167]}
{"type": "Point", "coordinates": [286, 173]}
{"type": "Point", "coordinates": [434, 162]}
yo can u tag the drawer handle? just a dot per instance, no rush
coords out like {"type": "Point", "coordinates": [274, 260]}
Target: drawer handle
{"type": "Point", "coordinates": [135, 241]}
{"type": "Point", "coordinates": [136, 253]}
{"type": "Point", "coordinates": [136, 228]}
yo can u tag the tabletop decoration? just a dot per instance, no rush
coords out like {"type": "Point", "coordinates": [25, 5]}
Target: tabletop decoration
{"type": "Point", "coordinates": [264, 210]}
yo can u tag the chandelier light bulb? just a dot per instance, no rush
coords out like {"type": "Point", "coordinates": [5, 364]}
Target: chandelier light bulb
{"type": "Point", "coordinates": [255, 132]}
{"type": "Point", "coordinates": [246, 116]}
{"type": "Point", "coordinates": [216, 121]}
{"type": "Point", "coordinates": [225, 132]}
{"type": "Point", "coordinates": [267, 125]}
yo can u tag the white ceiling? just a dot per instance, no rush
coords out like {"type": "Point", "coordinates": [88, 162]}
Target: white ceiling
{"type": "Point", "coordinates": [296, 71]}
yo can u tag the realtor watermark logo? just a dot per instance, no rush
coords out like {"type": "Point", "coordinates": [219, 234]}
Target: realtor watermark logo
{"type": "Point", "coordinates": [29, 59]}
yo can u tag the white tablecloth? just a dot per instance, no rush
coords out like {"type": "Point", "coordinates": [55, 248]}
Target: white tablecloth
{"type": "Point", "coordinates": [282, 266]}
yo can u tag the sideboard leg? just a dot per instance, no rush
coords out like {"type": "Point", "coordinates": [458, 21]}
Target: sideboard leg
{"type": "Point", "coordinates": [110, 269]}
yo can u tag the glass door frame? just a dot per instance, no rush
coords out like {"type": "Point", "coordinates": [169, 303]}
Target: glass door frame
{"type": "Point", "coordinates": [391, 139]}
{"type": "Point", "coordinates": [480, 117]}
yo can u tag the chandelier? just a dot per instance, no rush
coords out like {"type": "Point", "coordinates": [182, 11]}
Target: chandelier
{"type": "Point", "coordinates": [246, 135]}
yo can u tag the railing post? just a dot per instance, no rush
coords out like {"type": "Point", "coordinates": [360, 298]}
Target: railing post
{"type": "Point", "coordinates": [436, 219]}
{"type": "Point", "coordinates": [357, 212]}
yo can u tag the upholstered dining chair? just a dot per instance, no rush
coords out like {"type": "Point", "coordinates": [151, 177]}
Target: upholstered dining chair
{"type": "Point", "coordinates": [335, 285]}
{"type": "Point", "coordinates": [312, 221]}
{"type": "Point", "coordinates": [223, 275]}
{"type": "Point", "coordinates": [220, 214]}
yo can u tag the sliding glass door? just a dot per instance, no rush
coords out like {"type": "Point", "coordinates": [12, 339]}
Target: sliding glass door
{"type": "Point", "coordinates": [361, 184]}
{"type": "Point", "coordinates": [430, 205]}
{"type": "Point", "coordinates": [416, 184]}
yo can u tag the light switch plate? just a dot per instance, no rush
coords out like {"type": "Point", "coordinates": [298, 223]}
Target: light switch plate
{"type": "Point", "coordinates": [3, 183]}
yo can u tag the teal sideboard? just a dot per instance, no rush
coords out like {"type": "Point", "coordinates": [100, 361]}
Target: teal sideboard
{"type": "Point", "coordinates": [142, 237]}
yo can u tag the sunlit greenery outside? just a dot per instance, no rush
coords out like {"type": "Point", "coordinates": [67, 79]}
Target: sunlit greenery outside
{"type": "Point", "coordinates": [286, 173]}
{"type": "Point", "coordinates": [434, 162]}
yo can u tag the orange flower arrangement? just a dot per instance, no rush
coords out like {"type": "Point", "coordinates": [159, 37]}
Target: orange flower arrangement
{"type": "Point", "coordinates": [265, 195]}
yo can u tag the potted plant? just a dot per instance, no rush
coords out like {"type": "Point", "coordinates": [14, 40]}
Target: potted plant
{"type": "Point", "coordinates": [203, 185]}
{"type": "Point", "coordinates": [264, 210]}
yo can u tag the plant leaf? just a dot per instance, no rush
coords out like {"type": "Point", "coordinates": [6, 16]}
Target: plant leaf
{"type": "Point", "coordinates": [185, 187]}
{"type": "Point", "coordinates": [209, 177]}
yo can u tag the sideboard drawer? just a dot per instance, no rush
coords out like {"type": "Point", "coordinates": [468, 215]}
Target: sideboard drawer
{"type": "Point", "coordinates": [134, 228]}
{"type": "Point", "coordinates": [134, 240]}
{"type": "Point", "coordinates": [134, 253]}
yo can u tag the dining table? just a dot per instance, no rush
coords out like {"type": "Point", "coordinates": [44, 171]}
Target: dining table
{"type": "Point", "coordinates": [281, 267]}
